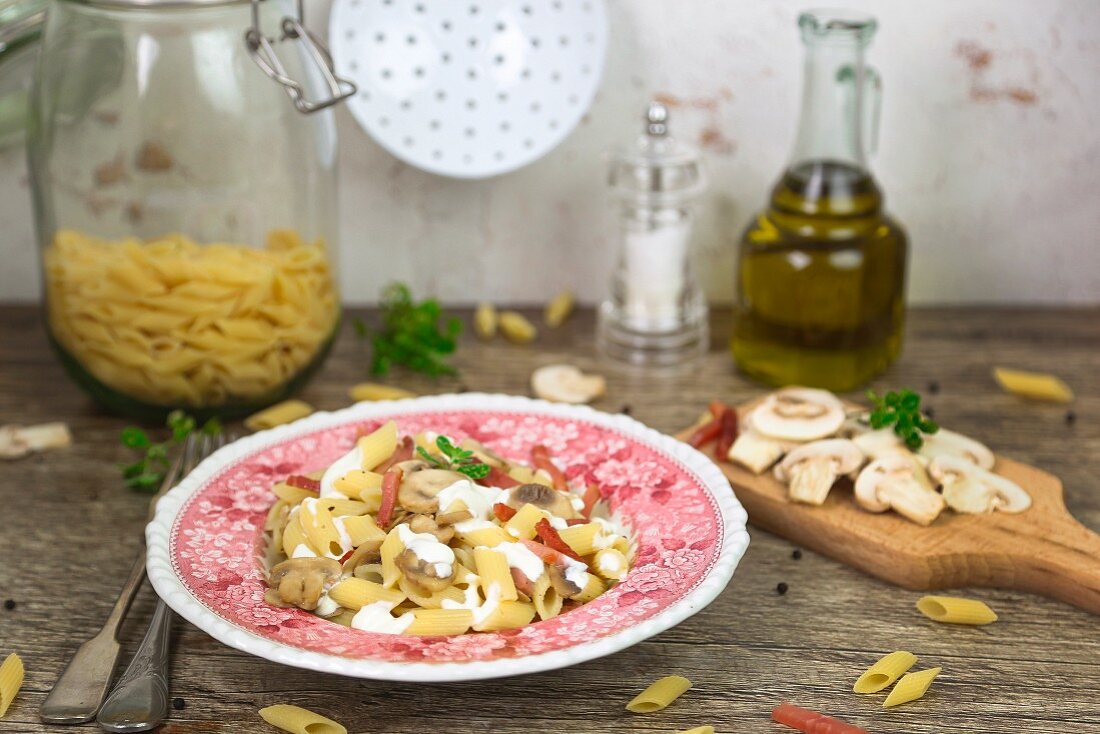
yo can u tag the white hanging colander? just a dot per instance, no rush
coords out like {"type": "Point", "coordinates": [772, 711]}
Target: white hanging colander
{"type": "Point", "coordinates": [470, 88]}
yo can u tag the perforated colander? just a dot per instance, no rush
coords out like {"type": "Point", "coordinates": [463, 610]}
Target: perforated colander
{"type": "Point", "coordinates": [469, 88]}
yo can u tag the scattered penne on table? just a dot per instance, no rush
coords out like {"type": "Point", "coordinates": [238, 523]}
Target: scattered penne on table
{"type": "Point", "coordinates": [279, 414]}
{"type": "Point", "coordinates": [956, 610]}
{"type": "Point", "coordinates": [659, 694]}
{"type": "Point", "coordinates": [298, 720]}
{"type": "Point", "coordinates": [911, 687]}
{"type": "Point", "coordinates": [11, 680]}
{"type": "Point", "coordinates": [884, 672]}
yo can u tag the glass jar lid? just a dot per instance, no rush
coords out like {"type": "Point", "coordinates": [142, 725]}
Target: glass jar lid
{"type": "Point", "coordinates": [657, 168]}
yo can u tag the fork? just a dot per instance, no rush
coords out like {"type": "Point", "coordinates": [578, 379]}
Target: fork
{"type": "Point", "coordinates": [139, 701]}
{"type": "Point", "coordinates": [79, 692]}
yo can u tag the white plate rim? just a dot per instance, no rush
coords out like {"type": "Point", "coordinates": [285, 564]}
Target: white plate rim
{"type": "Point", "coordinates": [172, 590]}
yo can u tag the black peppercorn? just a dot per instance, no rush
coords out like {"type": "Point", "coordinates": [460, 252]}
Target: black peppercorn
{"type": "Point", "coordinates": [626, 409]}
{"type": "Point", "coordinates": [1071, 417]}
{"type": "Point", "coordinates": [9, 604]}
{"type": "Point", "coordinates": [930, 413]}
{"type": "Point", "coordinates": [796, 554]}
{"type": "Point", "coordinates": [178, 704]}
{"type": "Point", "coordinates": [933, 387]}
{"type": "Point", "coordinates": [781, 588]}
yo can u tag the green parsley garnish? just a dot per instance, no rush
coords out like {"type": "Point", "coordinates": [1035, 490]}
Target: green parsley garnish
{"type": "Point", "coordinates": [411, 334]}
{"type": "Point", "coordinates": [455, 459]}
{"type": "Point", "coordinates": [147, 473]}
{"type": "Point", "coordinates": [902, 411]}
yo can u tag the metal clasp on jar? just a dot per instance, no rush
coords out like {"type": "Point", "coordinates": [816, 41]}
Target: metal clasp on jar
{"type": "Point", "coordinates": [263, 53]}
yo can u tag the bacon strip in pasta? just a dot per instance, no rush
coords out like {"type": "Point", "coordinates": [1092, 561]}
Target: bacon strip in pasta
{"type": "Point", "coordinates": [391, 480]}
{"type": "Point", "coordinates": [297, 480]}
{"type": "Point", "coordinates": [540, 457]}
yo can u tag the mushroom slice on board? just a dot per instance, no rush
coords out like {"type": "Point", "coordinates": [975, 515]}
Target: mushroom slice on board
{"type": "Point", "coordinates": [971, 489]}
{"type": "Point", "coordinates": [798, 414]}
{"type": "Point", "coordinates": [811, 469]}
{"type": "Point", "coordinates": [756, 452]}
{"type": "Point", "coordinates": [302, 581]}
{"type": "Point", "coordinates": [882, 442]}
{"type": "Point", "coordinates": [948, 443]}
{"type": "Point", "coordinates": [898, 482]}
{"type": "Point", "coordinates": [564, 383]}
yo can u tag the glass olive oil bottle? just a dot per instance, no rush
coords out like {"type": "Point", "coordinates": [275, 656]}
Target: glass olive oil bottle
{"type": "Point", "coordinates": [821, 277]}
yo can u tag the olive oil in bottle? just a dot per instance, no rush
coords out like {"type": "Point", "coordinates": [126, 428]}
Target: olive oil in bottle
{"type": "Point", "coordinates": [821, 278]}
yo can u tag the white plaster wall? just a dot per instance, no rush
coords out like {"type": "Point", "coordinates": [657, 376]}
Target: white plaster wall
{"type": "Point", "coordinates": [989, 154]}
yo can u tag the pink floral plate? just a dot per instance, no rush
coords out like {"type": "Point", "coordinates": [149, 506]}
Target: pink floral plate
{"type": "Point", "coordinates": [688, 528]}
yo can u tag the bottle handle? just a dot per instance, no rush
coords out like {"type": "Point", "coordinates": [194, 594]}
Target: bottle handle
{"type": "Point", "coordinates": [864, 87]}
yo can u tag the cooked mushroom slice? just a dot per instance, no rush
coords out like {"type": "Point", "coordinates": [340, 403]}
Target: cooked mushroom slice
{"type": "Point", "coordinates": [798, 414]}
{"type": "Point", "coordinates": [483, 454]}
{"type": "Point", "coordinates": [555, 502]}
{"type": "Point", "coordinates": [366, 552]}
{"type": "Point", "coordinates": [302, 581]}
{"type": "Point", "coordinates": [898, 482]}
{"type": "Point", "coordinates": [452, 518]}
{"type": "Point", "coordinates": [811, 469]}
{"type": "Point", "coordinates": [880, 443]}
{"type": "Point", "coordinates": [755, 452]}
{"type": "Point", "coordinates": [949, 443]}
{"type": "Point", "coordinates": [972, 489]}
{"type": "Point", "coordinates": [418, 490]}
{"type": "Point", "coordinates": [561, 584]}
{"type": "Point", "coordinates": [564, 383]}
{"type": "Point", "coordinates": [423, 573]}
{"type": "Point", "coordinates": [428, 524]}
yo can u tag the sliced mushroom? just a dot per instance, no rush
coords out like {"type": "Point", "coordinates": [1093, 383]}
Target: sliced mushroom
{"type": "Point", "coordinates": [365, 553]}
{"type": "Point", "coordinates": [756, 452]}
{"type": "Point", "coordinates": [898, 482]}
{"type": "Point", "coordinates": [483, 454]}
{"type": "Point", "coordinates": [971, 489]}
{"type": "Point", "coordinates": [422, 573]}
{"type": "Point", "coordinates": [564, 383]}
{"type": "Point", "coordinates": [452, 518]}
{"type": "Point", "coordinates": [302, 581]}
{"type": "Point", "coordinates": [18, 441]}
{"type": "Point", "coordinates": [811, 469]}
{"type": "Point", "coordinates": [418, 490]}
{"type": "Point", "coordinates": [798, 414]}
{"type": "Point", "coordinates": [428, 524]}
{"type": "Point", "coordinates": [949, 443]}
{"type": "Point", "coordinates": [879, 443]}
{"type": "Point", "coordinates": [539, 495]}
{"type": "Point", "coordinates": [561, 584]}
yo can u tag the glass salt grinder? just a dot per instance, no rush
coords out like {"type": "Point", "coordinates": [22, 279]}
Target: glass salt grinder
{"type": "Point", "coordinates": [656, 314]}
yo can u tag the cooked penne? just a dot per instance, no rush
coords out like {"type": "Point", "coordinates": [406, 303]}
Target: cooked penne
{"type": "Point", "coordinates": [355, 482]}
{"type": "Point", "coordinates": [911, 687]}
{"type": "Point", "coordinates": [298, 720]}
{"type": "Point", "coordinates": [285, 412]}
{"type": "Point", "coordinates": [363, 529]}
{"type": "Point", "coordinates": [378, 446]}
{"type": "Point", "coordinates": [434, 555]}
{"type": "Point", "coordinates": [492, 568]}
{"type": "Point", "coordinates": [506, 615]}
{"type": "Point", "coordinates": [546, 598]}
{"type": "Point", "coordinates": [581, 538]}
{"type": "Point", "coordinates": [440, 622]}
{"type": "Point", "coordinates": [11, 680]}
{"type": "Point", "coordinates": [659, 694]}
{"type": "Point", "coordinates": [699, 730]}
{"type": "Point", "coordinates": [1034, 385]}
{"type": "Point", "coordinates": [391, 548]}
{"type": "Point", "coordinates": [522, 524]}
{"type": "Point", "coordinates": [884, 672]}
{"type": "Point", "coordinates": [355, 593]}
{"type": "Point", "coordinates": [955, 610]}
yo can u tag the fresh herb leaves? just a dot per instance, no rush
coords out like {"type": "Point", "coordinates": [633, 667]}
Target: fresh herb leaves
{"type": "Point", "coordinates": [902, 411]}
{"type": "Point", "coordinates": [147, 473]}
{"type": "Point", "coordinates": [455, 459]}
{"type": "Point", "coordinates": [411, 334]}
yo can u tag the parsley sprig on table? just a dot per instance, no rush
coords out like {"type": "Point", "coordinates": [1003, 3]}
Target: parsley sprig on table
{"type": "Point", "coordinates": [902, 411]}
{"type": "Point", "coordinates": [148, 472]}
{"type": "Point", "coordinates": [455, 459]}
{"type": "Point", "coordinates": [411, 334]}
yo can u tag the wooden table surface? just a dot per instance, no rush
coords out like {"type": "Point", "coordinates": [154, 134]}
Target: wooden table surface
{"type": "Point", "coordinates": [69, 531]}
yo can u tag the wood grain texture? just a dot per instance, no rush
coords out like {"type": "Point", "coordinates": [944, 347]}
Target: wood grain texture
{"type": "Point", "coordinates": [68, 532]}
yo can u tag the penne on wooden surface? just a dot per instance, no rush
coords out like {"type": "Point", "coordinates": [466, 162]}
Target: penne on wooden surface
{"type": "Point", "coordinates": [884, 672]}
{"type": "Point", "coordinates": [956, 610]}
{"type": "Point", "coordinates": [298, 720]}
{"type": "Point", "coordinates": [911, 687]}
{"type": "Point", "coordinates": [659, 694]}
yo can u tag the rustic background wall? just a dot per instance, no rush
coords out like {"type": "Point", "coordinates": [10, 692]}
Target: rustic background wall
{"type": "Point", "coordinates": [989, 154]}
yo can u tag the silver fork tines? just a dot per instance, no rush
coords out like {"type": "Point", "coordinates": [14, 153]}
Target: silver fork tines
{"type": "Point", "coordinates": [139, 701]}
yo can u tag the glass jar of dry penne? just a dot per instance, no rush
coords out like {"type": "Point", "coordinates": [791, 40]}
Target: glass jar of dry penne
{"type": "Point", "coordinates": [185, 201]}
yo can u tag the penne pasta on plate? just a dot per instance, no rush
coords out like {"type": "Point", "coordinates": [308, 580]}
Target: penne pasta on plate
{"type": "Point", "coordinates": [418, 535]}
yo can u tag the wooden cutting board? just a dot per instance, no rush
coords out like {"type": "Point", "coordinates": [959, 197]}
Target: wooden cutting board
{"type": "Point", "coordinates": [1043, 550]}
